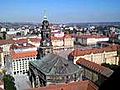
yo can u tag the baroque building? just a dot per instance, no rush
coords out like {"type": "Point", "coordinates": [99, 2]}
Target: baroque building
{"type": "Point", "coordinates": [53, 69]}
{"type": "Point", "coordinates": [49, 67]}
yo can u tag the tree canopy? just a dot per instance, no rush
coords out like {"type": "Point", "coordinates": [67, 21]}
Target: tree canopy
{"type": "Point", "coordinates": [9, 82]}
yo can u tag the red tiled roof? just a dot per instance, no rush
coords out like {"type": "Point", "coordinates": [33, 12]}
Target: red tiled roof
{"type": "Point", "coordinates": [35, 39]}
{"type": "Point", "coordinates": [21, 47]}
{"type": "Point", "coordinates": [20, 41]}
{"type": "Point", "coordinates": [23, 54]}
{"type": "Point", "coordinates": [81, 85]}
{"type": "Point", "coordinates": [90, 36]}
{"type": "Point", "coordinates": [79, 52]}
{"type": "Point", "coordinates": [3, 42]}
{"type": "Point", "coordinates": [95, 67]}
{"type": "Point", "coordinates": [56, 38]}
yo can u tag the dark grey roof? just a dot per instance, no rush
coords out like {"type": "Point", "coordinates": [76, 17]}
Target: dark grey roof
{"type": "Point", "coordinates": [53, 64]}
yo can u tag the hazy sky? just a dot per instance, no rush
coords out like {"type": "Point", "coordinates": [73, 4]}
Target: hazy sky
{"type": "Point", "coordinates": [60, 11]}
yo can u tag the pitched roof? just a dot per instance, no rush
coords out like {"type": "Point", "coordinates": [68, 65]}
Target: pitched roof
{"type": "Point", "coordinates": [94, 67]}
{"type": "Point", "coordinates": [35, 39]}
{"type": "Point", "coordinates": [81, 85]}
{"type": "Point", "coordinates": [56, 38]}
{"type": "Point", "coordinates": [22, 46]}
{"type": "Point", "coordinates": [79, 52]}
{"type": "Point", "coordinates": [53, 64]}
{"type": "Point", "coordinates": [90, 36]}
{"type": "Point", "coordinates": [3, 42]}
{"type": "Point", "coordinates": [16, 56]}
{"type": "Point", "coordinates": [20, 41]}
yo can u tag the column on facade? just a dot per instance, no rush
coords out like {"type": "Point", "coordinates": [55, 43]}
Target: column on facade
{"type": "Point", "coordinates": [33, 82]}
{"type": "Point", "coordinates": [37, 79]}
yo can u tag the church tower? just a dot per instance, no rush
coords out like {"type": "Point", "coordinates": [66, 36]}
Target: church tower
{"type": "Point", "coordinates": [45, 33]}
{"type": "Point", "coordinates": [45, 43]}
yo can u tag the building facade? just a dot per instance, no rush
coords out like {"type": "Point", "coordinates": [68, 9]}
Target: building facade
{"type": "Point", "coordinates": [21, 56]}
{"type": "Point", "coordinates": [98, 55]}
{"type": "Point", "coordinates": [90, 39]}
{"type": "Point", "coordinates": [62, 43]}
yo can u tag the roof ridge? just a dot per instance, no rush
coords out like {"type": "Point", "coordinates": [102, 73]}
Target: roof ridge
{"type": "Point", "coordinates": [94, 66]}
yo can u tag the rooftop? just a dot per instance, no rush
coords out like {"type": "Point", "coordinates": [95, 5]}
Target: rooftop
{"type": "Point", "coordinates": [81, 85]}
{"type": "Point", "coordinates": [35, 40]}
{"type": "Point", "coordinates": [53, 64]}
{"type": "Point", "coordinates": [79, 52]}
{"type": "Point", "coordinates": [95, 67]}
{"type": "Point", "coordinates": [3, 42]}
{"type": "Point", "coordinates": [90, 36]}
{"type": "Point", "coordinates": [56, 38]}
{"type": "Point", "coordinates": [20, 41]}
{"type": "Point", "coordinates": [17, 56]}
{"type": "Point", "coordinates": [21, 46]}
{"type": "Point", "coordinates": [23, 50]}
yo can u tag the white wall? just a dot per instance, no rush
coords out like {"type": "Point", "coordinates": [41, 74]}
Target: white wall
{"type": "Point", "coordinates": [21, 64]}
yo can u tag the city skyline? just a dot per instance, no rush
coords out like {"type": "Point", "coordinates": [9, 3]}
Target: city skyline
{"type": "Point", "coordinates": [60, 11]}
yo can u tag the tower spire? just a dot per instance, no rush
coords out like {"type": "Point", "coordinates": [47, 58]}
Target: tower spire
{"type": "Point", "coordinates": [45, 43]}
{"type": "Point", "coordinates": [45, 17]}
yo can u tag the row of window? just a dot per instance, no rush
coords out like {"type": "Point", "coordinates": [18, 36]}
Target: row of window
{"type": "Point", "coordinates": [22, 65]}
{"type": "Point", "coordinates": [20, 72]}
{"type": "Point", "coordinates": [63, 77]}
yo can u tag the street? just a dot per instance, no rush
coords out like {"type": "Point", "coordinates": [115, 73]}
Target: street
{"type": "Point", "coordinates": [22, 82]}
